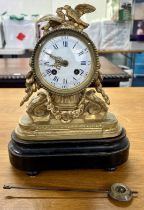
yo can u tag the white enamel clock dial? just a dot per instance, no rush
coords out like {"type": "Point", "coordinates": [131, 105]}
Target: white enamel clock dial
{"type": "Point", "coordinates": [64, 61]}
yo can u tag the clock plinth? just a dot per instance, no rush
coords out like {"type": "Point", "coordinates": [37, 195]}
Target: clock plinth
{"type": "Point", "coordinates": [34, 156]}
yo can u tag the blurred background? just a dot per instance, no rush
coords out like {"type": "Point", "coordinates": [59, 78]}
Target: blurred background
{"type": "Point", "coordinates": [116, 28]}
{"type": "Point", "coordinates": [48, 6]}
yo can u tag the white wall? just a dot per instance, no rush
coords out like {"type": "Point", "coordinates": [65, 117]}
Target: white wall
{"type": "Point", "coordinates": [26, 6]}
{"type": "Point", "coordinates": [48, 6]}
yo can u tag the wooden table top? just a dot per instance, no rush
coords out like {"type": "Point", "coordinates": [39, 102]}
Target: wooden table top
{"type": "Point", "coordinates": [127, 104]}
{"type": "Point", "coordinates": [20, 66]}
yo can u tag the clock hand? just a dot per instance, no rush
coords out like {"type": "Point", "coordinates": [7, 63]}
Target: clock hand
{"type": "Point", "coordinates": [57, 64]}
{"type": "Point", "coordinates": [58, 61]}
{"type": "Point", "coordinates": [54, 57]}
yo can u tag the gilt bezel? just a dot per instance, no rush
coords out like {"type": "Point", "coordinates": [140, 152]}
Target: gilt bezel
{"type": "Point", "coordinates": [94, 67]}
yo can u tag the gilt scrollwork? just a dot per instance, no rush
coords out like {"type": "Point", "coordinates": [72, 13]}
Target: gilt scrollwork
{"type": "Point", "coordinates": [38, 105]}
{"type": "Point", "coordinates": [95, 105]}
{"type": "Point", "coordinates": [41, 105]}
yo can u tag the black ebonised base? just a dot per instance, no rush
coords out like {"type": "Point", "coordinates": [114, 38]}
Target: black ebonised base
{"type": "Point", "coordinates": [35, 156]}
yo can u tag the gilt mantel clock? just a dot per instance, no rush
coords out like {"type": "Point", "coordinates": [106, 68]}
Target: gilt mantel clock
{"type": "Point", "coordinates": [67, 123]}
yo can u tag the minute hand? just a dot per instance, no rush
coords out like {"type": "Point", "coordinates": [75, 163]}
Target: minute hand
{"type": "Point", "coordinates": [58, 61]}
{"type": "Point", "coordinates": [55, 57]}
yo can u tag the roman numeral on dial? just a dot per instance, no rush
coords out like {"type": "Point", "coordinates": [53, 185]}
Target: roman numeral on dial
{"type": "Point", "coordinates": [82, 71]}
{"type": "Point", "coordinates": [48, 71]}
{"type": "Point", "coordinates": [86, 50]}
{"type": "Point", "coordinates": [55, 46]}
{"type": "Point", "coordinates": [64, 81]}
{"type": "Point", "coordinates": [65, 43]}
{"type": "Point", "coordinates": [75, 45]}
{"type": "Point", "coordinates": [81, 53]}
{"type": "Point", "coordinates": [83, 62]}
{"type": "Point", "coordinates": [55, 79]}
